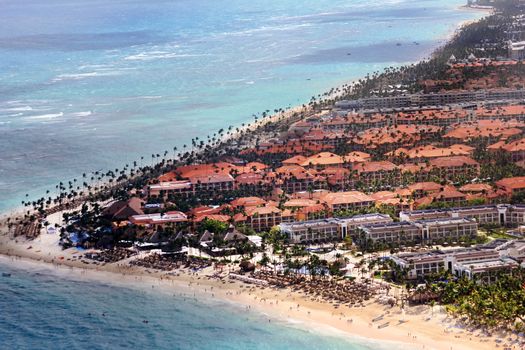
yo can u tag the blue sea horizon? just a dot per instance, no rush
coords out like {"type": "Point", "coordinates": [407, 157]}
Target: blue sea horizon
{"type": "Point", "coordinates": [94, 85]}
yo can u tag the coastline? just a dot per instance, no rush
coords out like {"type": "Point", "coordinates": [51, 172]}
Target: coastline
{"type": "Point", "coordinates": [419, 331]}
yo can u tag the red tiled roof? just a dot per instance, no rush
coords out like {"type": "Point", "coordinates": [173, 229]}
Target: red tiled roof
{"type": "Point", "coordinates": [324, 159]}
{"type": "Point", "coordinates": [430, 151]}
{"type": "Point", "coordinates": [357, 157]}
{"type": "Point", "coordinates": [346, 198]}
{"type": "Point", "coordinates": [512, 183]}
{"type": "Point", "coordinates": [425, 186]}
{"type": "Point", "coordinates": [295, 160]}
{"type": "Point", "coordinates": [454, 161]}
{"type": "Point", "coordinates": [211, 178]}
{"type": "Point", "coordinates": [262, 210]}
{"type": "Point", "coordinates": [248, 202]}
{"type": "Point", "coordinates": [375, 166]}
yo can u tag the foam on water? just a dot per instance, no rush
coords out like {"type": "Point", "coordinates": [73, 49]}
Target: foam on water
{"type": "Point", "coordinates": [82, 114]}
{"type": "Point", "coordinates": [44, 116]}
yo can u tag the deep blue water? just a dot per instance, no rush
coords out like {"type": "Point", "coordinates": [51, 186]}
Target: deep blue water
{"type": "Point", "coordinates": [94, 84]}
{"type": "Point", "coordinates": [42, 309]}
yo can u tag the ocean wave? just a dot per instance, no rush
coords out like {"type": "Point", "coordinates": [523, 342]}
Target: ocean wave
{"type": "Point", "coordinates": [82, 114]}
{"type": "Point", "coordinates": [145, 97]}
{"type": "Point", "coordinates": [263, 29]}
{"type": "Point", "coordinates": [44, 116]}
{"type": "Point", "coordinates": [311, 16]}
{"type": "Point", "coordinates": [79, 76]}
{"type": "Point", "coordinates": [17, 109]}
{"type": "Point", "coordinates": [93, 66]}
{"type": "Point", "coordinates": [155, 55]}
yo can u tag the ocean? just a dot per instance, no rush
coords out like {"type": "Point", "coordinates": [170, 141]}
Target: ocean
{"type": "Point", "coordinates": [46, 308]}
{"type": "Point", "coordinates": [93, 85]}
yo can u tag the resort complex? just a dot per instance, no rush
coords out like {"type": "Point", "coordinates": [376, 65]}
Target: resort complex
{"type": "Point", "coordinates": [412, 180]}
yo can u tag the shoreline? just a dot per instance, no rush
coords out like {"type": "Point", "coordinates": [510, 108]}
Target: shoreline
{"type": "Point", "coordinates": [418, 330]}
{"type": "Point", "coordinates": [166, 286]}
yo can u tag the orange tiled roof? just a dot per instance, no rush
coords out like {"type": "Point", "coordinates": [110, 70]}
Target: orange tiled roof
{"type": "Point", "coordinates": [515, 146]}
{"type": "Point", "coordinates": [168, 177]}
{"type": "Point", "coordinates": [249, 179]}
{"type": "Point", "coordinates": [346, 198]}
{"type": "Point", "coordinates": [211, 178]}
{"type": "Point", "coordinates": [323, 159]}
{"type": "Point", "coordinates": [476, 188]}
{"type": "Point", "coordinates": [448, 192]}
{"type": "Point", "coordinates": [295, 160]}
{"type": "Point", "coordinates": [375, 166]}
{"type": "Point", "coordinates": [382, 195]}
{"type": "Point", "coordinates": [427, 186]}
{"type": "Point", "coordinates": [511, 110]}
{"type": "Point", "coordinates": [512, 183]}
{"type": "Point", "coordinates": [412, 168]}
{"type": "Point", "coordinates": [251, 167]}
{"type": "Point", "coordinates": [483, 128]}
{"type": "Point", "coordinates": [201, 170]}
{"type": "Point", "coordinates": [357, 157]}
{"type": "Point", "coordinates": [248, 202]}
{"type": "Point", "coordinates": [430, 151]}
{"type": "Point", "coordinates": [262, 210]}
{"type": "Point", "coordinates": [407, 134]}
{"type": "Point", "coordinates": [433, 114]}
{"type": "Point", "coordinates": [454, 161]}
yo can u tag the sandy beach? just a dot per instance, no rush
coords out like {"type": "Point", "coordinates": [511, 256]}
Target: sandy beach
{"type": "Point", "coordinates": [418, 327]}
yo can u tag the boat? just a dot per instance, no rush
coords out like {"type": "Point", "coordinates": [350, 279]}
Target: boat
{"type": "Point", "coordinates": [5, 274]}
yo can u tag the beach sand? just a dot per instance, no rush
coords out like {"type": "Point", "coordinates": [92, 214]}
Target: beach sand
{"type": "Point", "coordinates": [417, 328]}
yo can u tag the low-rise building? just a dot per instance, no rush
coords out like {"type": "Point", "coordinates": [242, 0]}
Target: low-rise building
{"type": "Point", "coordinates": [159, 219]}
{"type": "Point", "coordinates": [512, 185]}
{"type": "Point", "coordinates": [329, 229]}
{"type": "Point", "coordinates": [351, 200]}
{"type": "Point", "coordinates": [418, 232]}
{"type": "Point", "coordinates": [382, 174]}
{"type": "Point", "coordinates": [394, 234]}
{"type": "Point", "coordinates": [171, 188]}
{"type": "Point", "coordinates": [445, 229]}
{"type": "Point", "coordinates": [483, 263]}
{"type": "Point", "coordinates": [263, 218]}
{"type": "Point", "coordinates": [486, 271]}
{"type": "Point", "coordinates": [350, 226]}
{"type": "Point", "coordinates": [311, 231]}
{"type": "Point", "coordinates": [212, 182]}
{"type": "Point", "coordinates": [455, 167]}
{"type": "Point", "coordinates": [500, 214]}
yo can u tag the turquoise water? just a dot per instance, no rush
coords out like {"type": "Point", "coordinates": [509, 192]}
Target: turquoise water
{"type": "Point", "coordinates": [90, 85]}
{"type": "Point", "coordinates": [42, 309]}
